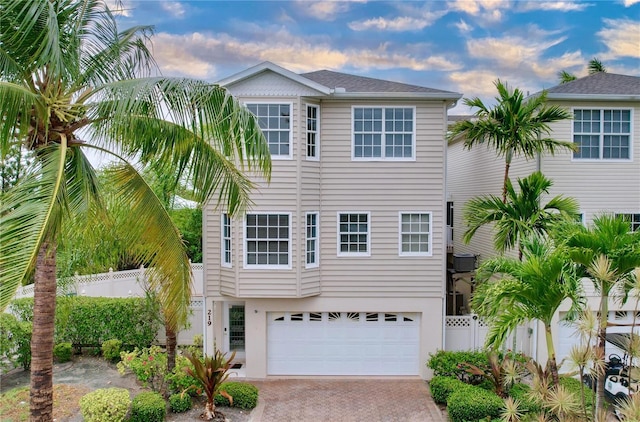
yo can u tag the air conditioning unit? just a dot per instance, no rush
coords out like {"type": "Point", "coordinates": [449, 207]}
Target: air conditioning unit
{"type": "Point", "coordinates": [464, 262]}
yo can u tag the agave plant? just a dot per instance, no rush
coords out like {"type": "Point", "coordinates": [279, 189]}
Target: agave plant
{"type": "Point", "coordinates": [211, 372]}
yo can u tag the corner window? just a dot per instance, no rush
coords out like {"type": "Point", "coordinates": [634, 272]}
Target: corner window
{"type": "Point", "coordinates": [353, 234]}
{"type": "Point", "coordinates": [312, 240]}
{"type": "Point", "coordinates": [275, 122]}
{"type": "Point", "coordinates": [267, 240]}
{"type": "Point", "coordinates": [226, 240]}
{"type": "Point", "coordinates": [633, 220]}
{"type": "Point", "coordinates": [383, 133]}
{"type": "Point", "coordinates": [602, 134]}
{"type": "Point", "coordinates": [313, 135]}
{"type": "Point", "coordinates": [415, 234]}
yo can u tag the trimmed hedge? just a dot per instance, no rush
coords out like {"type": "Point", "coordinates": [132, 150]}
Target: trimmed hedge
{"type": "Point", "coordinates": [245, 395]}
{"type": "Point", "coordinates": [441, 388]}
{"type": "Point", "coordinates": [62, 352]}
{"type": "Point", "coordinates": [473, 403]}
{"type": "Point", "coordinates": [90, 321]}
{"type": "Point", "coordinates": [447, 363]}
{"type": "Point", "coordinates": [105, 405]}
{"type": "Point", "coordinates": [574, 386]}
{"type": "Point", "coordinates": [148, 407]}
{"type": "Point", "coordinates": [111, 350]}
{"type": "Point", "coordinates": [179, 403]}
{"type": "Point", "coordinates": [521, 392]}
{"type": "Point", "coordinates": [15, 342]}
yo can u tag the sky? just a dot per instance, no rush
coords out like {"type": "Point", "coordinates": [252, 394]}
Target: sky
{"type": "Point", "coordinates": [459, 45]}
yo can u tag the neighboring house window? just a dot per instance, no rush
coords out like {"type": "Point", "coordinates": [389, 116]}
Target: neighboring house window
{"type": "Point", "coordinates": [312, 240]}
{"type": "Point", "coordinates": [633, 219]}
{"type": "Point", "coordinates": [415, 234]}
{"type": "Point", "coordinates": [313, 138]}
{"type": "Point", "coordinates": [226, 240]}
{"type": "Point", "coordinates": [450, 225]}
{"type": "Point", "coordinates": [383, 133]}
{"type": "Point", "coordinates": [267, 240]}
{"type": "Point", "coordinates": [353, 234]}
{"type": "Point", "coordinates": [275, 122]}
{"type": "Point", "coordinates": [602, 134]}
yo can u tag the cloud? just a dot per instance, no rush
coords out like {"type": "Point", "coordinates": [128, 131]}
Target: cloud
{"type": "Point", "coordinates": [175, 8]}
{"type": "Point", "coordinates": [196, 54]}
{"type": "Point", "coordinates": [487, 11]}
{"type": "Point", "coordinates": [120, 8]}
{"type": "Point", "coordinates": [558, 6]}
{"type": "Point", "coordinates": [621, 37]}
{"type": "Point", "coordinates": [629, 3]}
{"type": "Point", "coordinates": [510, 51]}
{"type": "Point", "coordinates": [325, 10]}
{"type": "Point", "coordinates": [400, 23]}
{"type": "Point", "coordinates": [463, 27]}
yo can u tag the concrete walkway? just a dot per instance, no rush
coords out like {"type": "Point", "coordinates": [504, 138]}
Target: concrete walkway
{"type": "Point", "coordinates": [355, 400]}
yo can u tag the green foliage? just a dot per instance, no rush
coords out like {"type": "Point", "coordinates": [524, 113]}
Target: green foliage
{"type": "Point", "coordinates": [111, 350]}
{"type": "Point", "coordinates": [442, 387]}
{"type": "Point", "coordinates": [472, 404]}
{"type": "Point", "coordinates": [501, 372]}
{"type": "Point", "coordinates": [245, 395]}
{"type": "Point", "coordinates": [574, 386]}
{"type": "Point", "coordinates": [179, 403]}
{"type": "Point", "coordinates": [189, 223]}
{"type": "Point", "coordinates": [89, 321]}
{"type": "Point", "coordinates": [15, 342]}
{"type": "Point", "coordinates": [179, 381]}
{"type": "Point", "coordinates": [448, 364]}
{"type": "Point", "coordinates": [148, 407]}
{"type": "Point", "coordinates": [210, 373]}
{"type": "Point", "coordinates": [522, 393]}
{"type": "Point", "coordinates": [105, 405]}
{"type": "Point", "coordinates": [62, 352]}
{"type": "Point", "coordinates": [149, 366]}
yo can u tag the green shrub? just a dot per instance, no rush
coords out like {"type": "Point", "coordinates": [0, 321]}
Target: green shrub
{"type": "Point", "coordinates": [148, 365]}
{"type": "Point", "coordinates": [472, 404]}
{"type": "Point", "coordinates": [179, 403]}
{"type": "Point", "coordinates": [179, 381]}
{"type": "Point", "coordinates": [447, 364]}
{"type": "Point", "coordinates": [442, 387]}
{"type": "Point", "coordinates": [148, 407]}
{"type": "Point", "coordinates": [15, 342]}
{"type": "Point", "coordinates": [105, 405]}
{"type": "Point", "coordinates": [111, 350]}
{"type": "Point", "coordinates": [245, 395]}
{"type": "Point", "coordinates": [62, 352]}
{"type": "Point", "coordinates": [574, 386]}
{"type": "Point", "coordinates": [521, 392]}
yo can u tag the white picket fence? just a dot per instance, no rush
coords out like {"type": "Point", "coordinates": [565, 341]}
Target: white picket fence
{"type": "Point", "coordinates": [468, 332]}
{"type": "Point", "coordinates": [131, 283]}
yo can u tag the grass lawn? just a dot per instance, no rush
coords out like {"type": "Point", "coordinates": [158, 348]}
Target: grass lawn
{"type": "Point", "coordinates": [14, 404]}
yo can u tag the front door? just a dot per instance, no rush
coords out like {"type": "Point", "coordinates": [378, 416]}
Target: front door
{"type": "Point", "coordinates": [234, 329]}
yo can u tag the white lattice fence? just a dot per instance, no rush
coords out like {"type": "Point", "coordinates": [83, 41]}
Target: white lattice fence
{"type": "Point", "coordinates": [469, 332]}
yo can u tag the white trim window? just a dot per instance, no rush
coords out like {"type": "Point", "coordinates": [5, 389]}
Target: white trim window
{"type": "Point", "coordinates": [354, 234]}
{"type": "Point", "coordinates": [267, 241]}
{"type": "Point", "coordinates": [383, 133]}
{"type": "Point", "coordinates": [311, 238]}
{"type": "Point", "coordinates": [414, 233]}
{"type": "Point", "coordinates": [313, 132]}
{"type": "Point", "coordinates": [275, 121]}
{"type": "Point", "coordinates": [633, 219]}
{"type": "Point", "coordinates": [226, 240]}
{"type": "Point", "coordinates": [602, 134]}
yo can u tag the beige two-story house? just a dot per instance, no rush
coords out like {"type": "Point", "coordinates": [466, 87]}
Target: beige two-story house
{"type": "Point", "coordinates": [603, 174]}
{"type": "Point", "coordinates": [339, 267]}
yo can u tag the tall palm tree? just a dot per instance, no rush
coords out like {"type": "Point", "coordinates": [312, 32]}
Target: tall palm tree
{"type": "Point", "coordinates": [512, 292]}
{"type": "Point", "coordinates": [514, 127]}
{"type": "Point", "coordinates": [520, 215]}
{"type": "Point", "coordinates": [608, 253]}
{"type": "Point", "coordinates": [596, 66]}
{"type": "Point", "coordinates": [565, 77]}
{"type": "Point", "coordinates": [70, 81]}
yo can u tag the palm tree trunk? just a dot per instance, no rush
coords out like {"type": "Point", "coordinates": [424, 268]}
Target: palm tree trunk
{"type": "Point", "coordinates": [172, 341]}
{"type": "Point", "coordinates": [507, 165]}
{"type": "Point", "coordinates": [44, 307]}
{"type": "Point", "coordinates": [602, 333]}
{"type": "Point", "coordinates": [551, 351]}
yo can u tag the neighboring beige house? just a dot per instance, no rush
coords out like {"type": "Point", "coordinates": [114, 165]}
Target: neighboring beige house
{"type": "Point", "coordinates": [339, 267]}
{"type": "Point", "coordinates": [604, 175]}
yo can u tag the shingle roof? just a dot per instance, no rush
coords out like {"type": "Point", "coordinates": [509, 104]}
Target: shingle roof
{"type": "Point", "coordinates": [601, 83]}
{"type": "Point", "coordinates": [361, 84]}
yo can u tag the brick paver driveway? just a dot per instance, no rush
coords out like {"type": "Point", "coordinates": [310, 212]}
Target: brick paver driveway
{"type": "Point", "coordinates": [355, 400]}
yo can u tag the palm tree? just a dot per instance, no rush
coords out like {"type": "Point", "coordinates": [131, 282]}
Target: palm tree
{"type": "Point", "coordinates": [532, 288]}
{"type": "Point", "coordinates": [520, 215]}
{"type": "Point", "coordinates": [596, 66]}
{"type": "Point", "coordinates": [565, 77]}
{"type": "Point", "coordinates": [513, 127]}
{"type": "Point", "coordinates": [608, 253]}
{"type": "Point", "coordinates": [70, 81]}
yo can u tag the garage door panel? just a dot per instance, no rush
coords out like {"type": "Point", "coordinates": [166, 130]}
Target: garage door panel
{"type": "Point", "coordinates": [343, 344]}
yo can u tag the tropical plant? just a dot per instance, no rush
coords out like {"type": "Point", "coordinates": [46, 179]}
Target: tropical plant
{"type": "Point", "coordinates": [513, 127]}
{"type": "Point", "coordinates": [149, 366]}
{"type": "Point", "coordinates": [608, 252]}
{"type": "Point", "coordinates": [520, 215]}
{"type": "Point", "coordinates": [501, 373]}
{"type": "Point", "coordinates": [210, 373]}
{"type": "Point", "coordinates": [565, 77]}
{"type": "Point", "coordinates": [596, 66]}
{"type": "Point", "coordinates": [70, 81]}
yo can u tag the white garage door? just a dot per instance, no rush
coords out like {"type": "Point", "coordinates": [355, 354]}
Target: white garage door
{"type": "Point", "coordinates": [343, 343]}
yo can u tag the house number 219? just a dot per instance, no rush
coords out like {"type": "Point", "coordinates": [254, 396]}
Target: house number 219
{"type": "Point", "coordinates": [209, 317]}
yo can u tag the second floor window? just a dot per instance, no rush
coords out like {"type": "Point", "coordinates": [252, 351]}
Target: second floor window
{"type": "Point", "coordinates": [312, 240]}
{"type": "Point", "coordinates": [383, 133]}
{"type": "Point", "coordinates": [313, 139]}
{"type": "Point", "coordinates": [226, 240]}
{"type": "Point", "coordinates": [275, 122]}
{"type": "Point", "coordinates": [633, 219]}
{"type": "Point", "coordinates": [267, 240]}
{"type": "Point", "coordinates": [602, 134]}
{"type": "Point", "coordinates": [415, 234]}
{"type": "Point", "coordinates": [353, 234]}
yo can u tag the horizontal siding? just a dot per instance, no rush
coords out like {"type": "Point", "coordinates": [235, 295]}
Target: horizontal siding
{"type": "Point", "coordinates": [269, 84]}
{"type": "Point", "coordinates": [211, 251]}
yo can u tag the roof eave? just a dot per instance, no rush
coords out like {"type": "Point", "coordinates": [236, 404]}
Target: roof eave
{"type": "Point", "coordinates": [592, 97]}
{"type": "Point", "coordinates": [453, 96]}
